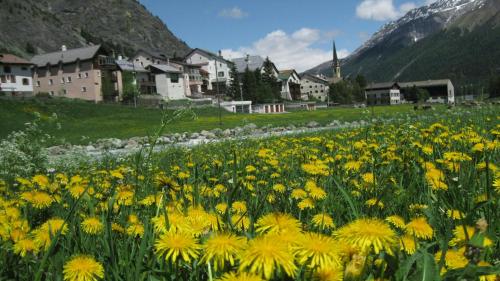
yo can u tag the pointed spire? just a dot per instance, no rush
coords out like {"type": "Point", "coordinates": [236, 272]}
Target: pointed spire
{"type": "Point", "coordinates": [335, 57]}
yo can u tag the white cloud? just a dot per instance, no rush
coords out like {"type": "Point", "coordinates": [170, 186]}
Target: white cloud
{"type": "Point", "coordinates": [233, 13]}
{"type": "Point", "coordinates": [382, 10]}
{"type": "Point", "coordinates": [287, 51]}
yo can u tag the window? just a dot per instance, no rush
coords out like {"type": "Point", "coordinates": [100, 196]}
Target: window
{"type": "Point", "coordinates": [7, 69]}
{"type": "Point", "coordinates": [62, 80]}
{"type": "Point", "coordinates": [86, 75]}
{"type": "Point", "coordinates": [65, 92]}
{"type": "Point", "coordinates": [174, 78]}
{"type": "Point", "coordinates": [3, 78]}
{"type": "Point", "coordinates": [26, 81]}
{"type": "Point", "coordinates": [79, 76]}
{"type": "Point", "coordinates": [38, 83]}
{"type": "Point", "coordinates": [84, 89]}
{"type": "Point", "coordinates": [24, 68]}
{"type": "Point", "coordinates": [12, 79]}
{"type": "Point", "coordinates": [51, 93]}
{"type": "Point", "coordinates": [98, 74]}
{"type": "Point", "coordinates": [51, 82]}
{"type": "Point", "coordinates": [221, 74]}
{"type": "Point", "coordinates": [68, 79]}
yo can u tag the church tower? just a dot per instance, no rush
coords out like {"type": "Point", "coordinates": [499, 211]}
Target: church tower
{"type": "Point", "coordinates": [336, 63]}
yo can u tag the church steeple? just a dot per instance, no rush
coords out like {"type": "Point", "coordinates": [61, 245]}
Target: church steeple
{"type": "Point", "coordinates": [336, 63]}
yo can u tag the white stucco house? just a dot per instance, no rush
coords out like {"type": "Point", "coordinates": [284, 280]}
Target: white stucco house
{"type": "Point", "coordinates": [169, 81]}
{"type": "Point", "coordinates": [15, 75]}
{"type": "Point", "coordinates": [215, 65]}
{"type": "Point", "coordinates": [290, 84]}
{"type": "Point", "coordinates": [314, 87]}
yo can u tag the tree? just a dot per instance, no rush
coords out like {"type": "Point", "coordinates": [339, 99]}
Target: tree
{"type": "Point", "coordinates": [361, 81]}
{"type": "Point", "coordinates": [249, 85]}
{"type": "Point", "coordinates": [423, 95]}
{"type": "Point", "coordinates": [269, 79]}
{"type": "Point", "coordinates": [234, 90]}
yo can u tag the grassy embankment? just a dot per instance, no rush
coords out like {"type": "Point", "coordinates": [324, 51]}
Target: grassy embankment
{"type": "Point", "coordinates": [82, 122]}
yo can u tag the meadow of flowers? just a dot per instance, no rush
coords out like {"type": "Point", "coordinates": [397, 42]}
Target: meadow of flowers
{"type": "Point", "coordinates": [390, 201]}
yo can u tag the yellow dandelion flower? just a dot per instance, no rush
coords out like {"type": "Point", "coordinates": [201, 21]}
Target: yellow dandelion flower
{"type": "Point", "coordinates": [420, 228]}
{"type": "Point", "coordinates": [455, 214]}
{"type": "Point", "coordinates": [76, 190]}
{"type": "Point", "coordinates": [280, 188]}
{"type": "Point", "coordinates": [240, 222]}
{"type": "Point", "coordinates": [323, 221]}
{"type": "Point", "coordinates": [355, 266]}
{"type": "Point", "coordinates": [367, 234]}
{"type": "Point", "coordinates": [298, 193]}
{"type": "Point", "coordinates": [222, 248]}
{"type": "Point", "coordinates": [41, 200]}
{"type": "Point", "coordinates": [368, 178]}
{"type": "Point", "coordinates": [306, 203]}
{"type": "Point", "coordinates": [316, 250]}
{"type": "Point", "coordinates": [83, 268]}
{"type": "Point", "coordinates": [242, 276]}
{"type": "Point", "coordinates": [265, 255]}
{"type": "Point", "coordinates": [135, 230]}
{"type": "Point", "coordinates": [221, 208]}
{"type": "Point", "coordinates": [41, 180]}
{"type": "Point", "coordinates": [117, 228]}
{"type": "Point", "coordinates": [496, 184]}
{"type": "Point", "coordinates": [374, 202]}
{"type": "Point", "coordinates": [277, 223]}
{"type": "Point", "coordinates": [48, 230]}
{"type": "Point", "coordinates": [396, 221]}
{"type": "Point", "coordinates": [92, 225]}
{"type": "Point", "coordinates": [24, 246]}
{"type": "Point", "coordinates": [239, 207]}
{"type": "Point", "coordinates": [172, 245]}
{"type": "Point", "coordinates": [333, 273]}
{"type": "Point", "coordinates": [454, 259]}
{"type": "Point", "coordinates": [407, 243]}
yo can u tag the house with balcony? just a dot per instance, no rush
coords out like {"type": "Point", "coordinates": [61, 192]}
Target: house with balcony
{"type": "Point", "coordinates": [215, 65]}
{"type": "Point", "coordinates": [86, 73]}
{"type": "Point", "coordinates": [15, 76]}
{"type": "Point", "coordinates": [193, 79]}
{"type": "Point", "coordinates": [314, 87]}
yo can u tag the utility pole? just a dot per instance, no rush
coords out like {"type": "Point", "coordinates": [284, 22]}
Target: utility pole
{"type": "Point", "coordinates": [217, 87]}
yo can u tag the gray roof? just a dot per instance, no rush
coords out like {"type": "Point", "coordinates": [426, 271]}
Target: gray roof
{"type": "Point", "coordinates": [126, 65]}
{"type": "Point", "coordinates": [208, 54]}
{"type": "Point", "coordinates": [166, 68]}
{"type": "Point", "coordinates": [69, 56]}
{"type": "Point", "coordinates": [384, 85]}
{"type": "Point", "coordinates": [428, 83]}
{"type": "Point", "coordinates": [254, 62]}
{"type": "Point", "coordinates": [315, 79]}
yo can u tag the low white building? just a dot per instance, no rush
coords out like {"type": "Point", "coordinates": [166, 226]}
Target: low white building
{"type": "Point", "coordinates": [269, 108]}
{"type": "Point", "coordinates": [383, 94]}
{"type": "Point", "coordinates": [314, 87]}
{"type": "Point", "coordinates": [215, 65]}
{"type": "Point", "coordinates": [15, 76]}
{"type": "Point", "coordinates": [237, 106]}
{"type": "Point", "coordinates": [290, 84]}
{"type": "Point", "coordinates": [169, 81]}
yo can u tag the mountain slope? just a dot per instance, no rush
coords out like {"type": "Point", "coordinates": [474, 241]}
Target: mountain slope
{"type": "Point", "coordinates": [120, 25]}
{"type": "Point", "coordinates": [454, 39]}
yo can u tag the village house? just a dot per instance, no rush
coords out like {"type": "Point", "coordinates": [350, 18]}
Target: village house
{"type": "Point", "coordinates": [314, 87]}
{"type": "Point", "coordinates": [383, 94]}
{"type": "Point", "coordinates": [15, 76]}
{"type": "Point", "coordinates": [392, 93]}
{"type": "Point", "coordinates": [215, 65]}
{"type": "Point", "coordinates": [193, 78]}
{"type": "Point", "coordinates": [290, 84]}
{"type": "Point", "coordinates": [169, 81]}
{"type": "Point", "coordinates": [253, 63]}
{"type": "Point", "coordinates": [85, 73]}
{"type": "Point", "coordinates": [146, 58]}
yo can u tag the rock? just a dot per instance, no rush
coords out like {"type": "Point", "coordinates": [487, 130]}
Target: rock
{"type": "Point", "coordinates": [207, 134]}
{"type": "Point", "coordinates": [291, 127]}
{"type": "Point", "coordinates": [217, 132]}
{"type": "Point", "coordinates": [250, 126]}
{"type": "Point", "coordinates": [90, 148]}
{"type": "Point", "coordinates": [57, 150]}
{"type": "Point", "coordinates": [227, 133]}
{"type": "Point", "coordinates": [194, 136]}
{"type": "Point", "coordinates": [131, 144]}
{"type": "Point", "coordinates": [312, 124]}
{"type": "Point", "coordinates": [109, 143]}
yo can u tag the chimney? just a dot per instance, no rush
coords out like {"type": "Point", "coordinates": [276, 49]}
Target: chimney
{"type": "Point", "coordinates": [120, 57]}
{"type": "Point", "coordinates": [64, 48]}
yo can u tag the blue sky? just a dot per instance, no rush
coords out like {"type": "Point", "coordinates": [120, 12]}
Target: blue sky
{"type": "Point", "coordinates": [294, 34]}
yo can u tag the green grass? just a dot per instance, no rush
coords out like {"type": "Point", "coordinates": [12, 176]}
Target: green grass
{"type": "Point", "coordinates": [82, 122]}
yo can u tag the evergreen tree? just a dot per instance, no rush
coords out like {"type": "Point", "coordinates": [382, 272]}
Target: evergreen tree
{"type": "Point", "coordinates": [249, 85]}
{"type": "Point", "coordinates": [494, 87]}
{"type": "Point", "coordinates": [234, 90]}
{"type": "Point", "coordinates": [30, 49]}
{"type": "Point", "coordinates": [268, 78]}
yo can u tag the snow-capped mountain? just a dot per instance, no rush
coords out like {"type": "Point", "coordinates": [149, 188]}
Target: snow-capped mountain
{"type": "Point", "coordinates": [395, 50]}
{"type": "Point", "coordinates": [423, 21]}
